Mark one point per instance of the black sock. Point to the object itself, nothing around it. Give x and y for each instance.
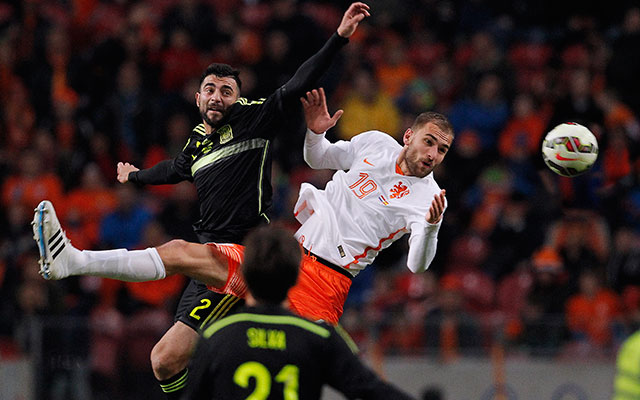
(174, 386)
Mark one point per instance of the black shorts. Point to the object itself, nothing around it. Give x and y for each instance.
(199, 306)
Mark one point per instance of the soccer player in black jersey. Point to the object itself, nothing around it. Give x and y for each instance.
(266, 352)
(228, 158)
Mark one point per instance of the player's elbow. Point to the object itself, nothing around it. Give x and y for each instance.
(416, 269)
(311, 160)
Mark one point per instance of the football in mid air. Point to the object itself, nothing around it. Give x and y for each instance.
(570, 149)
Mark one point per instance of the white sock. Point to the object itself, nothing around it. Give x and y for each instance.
(121, 264)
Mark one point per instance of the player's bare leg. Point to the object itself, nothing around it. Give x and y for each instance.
(195, 260)
(170, 357)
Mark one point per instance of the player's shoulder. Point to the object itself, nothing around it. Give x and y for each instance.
(199, 130)
(375, 138)
(284, 320)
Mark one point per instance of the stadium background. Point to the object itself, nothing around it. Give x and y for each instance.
(530, 266)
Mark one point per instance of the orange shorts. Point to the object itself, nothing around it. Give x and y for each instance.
(320, 292)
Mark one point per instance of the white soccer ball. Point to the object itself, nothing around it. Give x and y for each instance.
(570, 149)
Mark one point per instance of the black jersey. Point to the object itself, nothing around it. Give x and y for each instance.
(231, 167)
(273, 354)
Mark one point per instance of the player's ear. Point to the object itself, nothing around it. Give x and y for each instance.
(407, 135)
(198, 99)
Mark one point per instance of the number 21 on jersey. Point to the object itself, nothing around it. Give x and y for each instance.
(288, 376)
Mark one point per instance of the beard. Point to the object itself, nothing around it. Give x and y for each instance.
(210, 121)
(415, 165)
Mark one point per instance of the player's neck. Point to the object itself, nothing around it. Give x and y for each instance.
(401, 164)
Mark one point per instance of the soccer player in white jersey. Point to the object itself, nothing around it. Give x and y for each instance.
(381, 191)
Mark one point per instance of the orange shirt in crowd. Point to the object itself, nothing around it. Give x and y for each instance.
(593, 316)
(31, 191)
(82, 212)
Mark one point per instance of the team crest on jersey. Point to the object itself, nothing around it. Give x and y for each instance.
(399, 190)
(226, 134)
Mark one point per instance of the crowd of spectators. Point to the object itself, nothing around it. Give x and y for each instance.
(541, 264)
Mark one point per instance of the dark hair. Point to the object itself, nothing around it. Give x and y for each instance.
(435, 118)
(221, 71)
(271, 263)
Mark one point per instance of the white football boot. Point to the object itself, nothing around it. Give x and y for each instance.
(52, 242)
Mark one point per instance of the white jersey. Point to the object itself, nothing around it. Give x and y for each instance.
(367, 205)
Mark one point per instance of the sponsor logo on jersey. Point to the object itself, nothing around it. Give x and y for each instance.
(226, 134)
(399, 190)
(367, 162)
(383, 200)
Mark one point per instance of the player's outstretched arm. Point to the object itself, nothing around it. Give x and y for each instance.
(316, 114)
(308, 74)
(123, 171)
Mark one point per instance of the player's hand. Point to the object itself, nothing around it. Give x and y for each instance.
(437, 208)
(352, 17)
(123, 171)
(316, 114)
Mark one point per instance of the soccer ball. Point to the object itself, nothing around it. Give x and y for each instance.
(570, 149)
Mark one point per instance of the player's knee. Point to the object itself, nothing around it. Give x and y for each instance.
(173, 252)
(167, 360)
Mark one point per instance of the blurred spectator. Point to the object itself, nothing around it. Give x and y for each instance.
(519, 142)
(481, 55)
(85, 206)
(123, 227)
(449, 329)
(179, 61)
(593, 315)
(129, 118)
(484, 114)
(32, 183)
(623, 267)
(179, 212)
(18, 117)
(578, 104)
(277, 65)
(395, 71)
(303, 32)
(542, 315)
(16, 238)
(582, 239)
(194, 17)
(622, 68)
(631, 307)
(366, 107)
(514, 237)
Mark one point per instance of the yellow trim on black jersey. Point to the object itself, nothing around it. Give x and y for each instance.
(347, 339)
(262, 162)
(176, 385)
(200, 129)
(244, 102)
(267, 319)
(227, 151)
(221, 309)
